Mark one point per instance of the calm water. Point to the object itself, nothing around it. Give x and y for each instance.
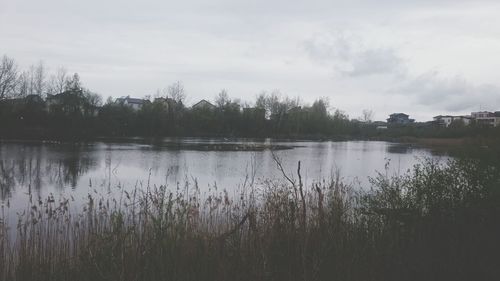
(76, 170)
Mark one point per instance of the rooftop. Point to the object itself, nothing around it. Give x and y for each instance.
(130, 100)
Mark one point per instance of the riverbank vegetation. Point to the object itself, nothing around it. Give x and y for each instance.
(436, 222)
(36, 105)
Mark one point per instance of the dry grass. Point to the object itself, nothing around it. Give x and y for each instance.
(438, 222)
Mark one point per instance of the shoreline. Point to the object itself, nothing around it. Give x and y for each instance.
(428, 141)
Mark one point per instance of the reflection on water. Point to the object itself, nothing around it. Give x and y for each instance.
(77, 169)
(399, 148)
(32, 168)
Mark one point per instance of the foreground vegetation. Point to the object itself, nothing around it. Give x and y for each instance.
(437, 222)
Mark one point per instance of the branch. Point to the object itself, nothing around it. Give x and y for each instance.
(280, 167)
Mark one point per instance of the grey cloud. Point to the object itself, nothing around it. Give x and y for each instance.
(376, 61)
(349, 56)
(133, 46)
(453, 94)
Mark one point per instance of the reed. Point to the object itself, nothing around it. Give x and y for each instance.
(436, 222)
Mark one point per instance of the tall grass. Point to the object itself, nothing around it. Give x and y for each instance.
(437, 222)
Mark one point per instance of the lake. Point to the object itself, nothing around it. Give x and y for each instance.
(75, 170)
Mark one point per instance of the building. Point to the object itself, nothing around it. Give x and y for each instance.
(134, 103)
(204, 104)
(71, 102)
(443, 120)
(379, 125)
(447, 120)
(486, 118)
(480, 114)
(29, 99)
(65, 102)
(399, 118)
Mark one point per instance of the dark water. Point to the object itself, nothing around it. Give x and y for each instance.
(77, 170)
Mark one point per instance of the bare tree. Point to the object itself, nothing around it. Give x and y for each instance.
(30, 78)
(110, 100)
(274, 104)
(23, 84)
(158, 94)
(176, 92)
(261, 100)
(222, 99)
(367, 115)
(8, 77)
(95, 100)
(73, 84)
(58, 81)
(321, 106)
(39, 83)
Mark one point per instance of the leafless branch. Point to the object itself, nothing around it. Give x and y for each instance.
(8, 77)
(277, 160)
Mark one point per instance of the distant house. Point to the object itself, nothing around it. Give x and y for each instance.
(161, 100)
(465, 119)
(29, 99)
(447, 120)
(481, 114)
(134, 103)
(71, 102)
(33, 99)
(486, 118)
(295, 109)
(52, 100)
(204, 104)
(66, 102)
(399, 118)
(379, 125)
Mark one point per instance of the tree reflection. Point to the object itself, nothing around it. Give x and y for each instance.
(31, 167)
(6, 180)
(399, 148)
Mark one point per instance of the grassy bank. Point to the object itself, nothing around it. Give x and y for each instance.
(437, 222)
(449, 142)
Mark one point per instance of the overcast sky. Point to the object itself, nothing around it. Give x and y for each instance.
(422, 57)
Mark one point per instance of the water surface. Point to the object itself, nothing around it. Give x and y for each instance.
(79, 169)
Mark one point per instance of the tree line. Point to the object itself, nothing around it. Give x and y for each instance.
(35, 103)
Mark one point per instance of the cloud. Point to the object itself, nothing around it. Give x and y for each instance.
(127, 47)
(453, 94)
(349, 56)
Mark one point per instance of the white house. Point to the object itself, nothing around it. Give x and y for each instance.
(487, 118)
(134, 103)
(447, 120)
